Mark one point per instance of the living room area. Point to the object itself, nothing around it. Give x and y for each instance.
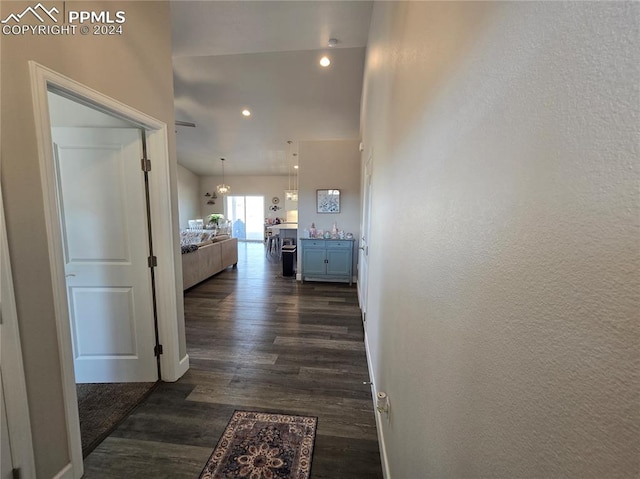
(270, 117)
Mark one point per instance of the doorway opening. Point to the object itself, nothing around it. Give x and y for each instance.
(247, 217)
(104, 298)
(102, 204)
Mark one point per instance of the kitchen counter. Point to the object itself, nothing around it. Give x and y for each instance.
(275, 229)
(285, 230)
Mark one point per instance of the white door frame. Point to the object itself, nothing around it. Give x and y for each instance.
(14, 385)
(43, 78)
(365, 230)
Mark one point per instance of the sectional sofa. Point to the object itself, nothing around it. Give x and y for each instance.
(205, 256)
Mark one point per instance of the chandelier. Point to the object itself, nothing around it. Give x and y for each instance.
(223, 188)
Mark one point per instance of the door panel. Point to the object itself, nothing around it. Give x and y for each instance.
(313, 262)
(103, 218)
(109, 315)
(338, 261)
(94, 203)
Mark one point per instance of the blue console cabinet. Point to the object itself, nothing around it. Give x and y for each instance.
(327, 260)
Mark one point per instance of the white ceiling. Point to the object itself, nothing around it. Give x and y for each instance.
(264, 56)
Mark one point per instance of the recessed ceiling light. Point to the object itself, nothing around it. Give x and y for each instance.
(325, 62)
(246, 112)
(295, 167)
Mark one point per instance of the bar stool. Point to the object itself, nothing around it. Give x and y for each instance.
(274, 246)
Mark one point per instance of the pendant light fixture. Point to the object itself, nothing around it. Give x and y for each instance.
(295, 172)
(223, 188)
(291, 194)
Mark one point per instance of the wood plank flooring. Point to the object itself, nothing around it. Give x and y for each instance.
(256, 341)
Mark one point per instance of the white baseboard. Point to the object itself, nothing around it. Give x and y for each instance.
(66, 473)
(374, 392)
(183, 366)
(171, 371)
(299, 278)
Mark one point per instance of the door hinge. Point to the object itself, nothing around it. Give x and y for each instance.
(157, 350)
(152, 261)
(16, 474)
(146, 164)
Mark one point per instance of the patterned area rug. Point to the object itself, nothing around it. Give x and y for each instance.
(258, 445)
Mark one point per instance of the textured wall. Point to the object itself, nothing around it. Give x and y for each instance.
(330, 164)
(267, 186)
(188, 196)
(134, 68)
(503, 314)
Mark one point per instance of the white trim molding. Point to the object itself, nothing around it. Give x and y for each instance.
(374, 393)
(183, 367)
(14, 385)
(44, 79)
(165, 248)
(65, 473)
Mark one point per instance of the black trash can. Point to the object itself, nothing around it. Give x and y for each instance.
(288, 259)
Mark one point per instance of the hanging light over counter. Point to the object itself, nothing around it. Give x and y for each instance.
(291, 194)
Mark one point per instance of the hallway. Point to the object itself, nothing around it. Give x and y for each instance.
(256, 341)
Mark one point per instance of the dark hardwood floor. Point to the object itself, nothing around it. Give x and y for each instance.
(256, 341)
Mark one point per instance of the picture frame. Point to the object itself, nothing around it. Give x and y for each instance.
(328, 201)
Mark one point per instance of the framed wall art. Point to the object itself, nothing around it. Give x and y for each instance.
(328, 201)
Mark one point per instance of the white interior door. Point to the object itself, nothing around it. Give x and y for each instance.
(102, 208)
(365, 228)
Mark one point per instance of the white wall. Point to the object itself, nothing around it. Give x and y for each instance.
(330, 164)
(188, 196)
(267, 186)
(503, 302)
(134, 68)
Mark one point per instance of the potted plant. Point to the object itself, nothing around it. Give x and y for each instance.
(215, 218)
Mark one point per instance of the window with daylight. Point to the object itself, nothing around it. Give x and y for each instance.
(247, 217)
